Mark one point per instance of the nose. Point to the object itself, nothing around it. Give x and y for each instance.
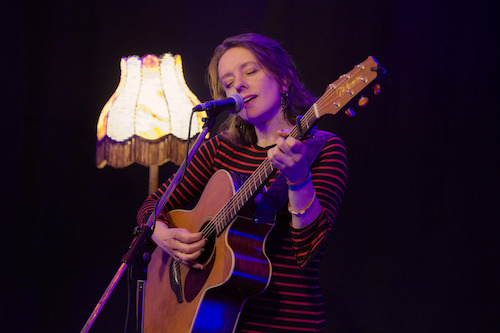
(240, 85)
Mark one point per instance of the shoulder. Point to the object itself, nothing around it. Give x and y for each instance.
(333, 149)
(221, 141)
(221, 145)
(216, 141)
(327, 140)
(332, 139)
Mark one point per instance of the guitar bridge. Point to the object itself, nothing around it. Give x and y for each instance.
(175, 280)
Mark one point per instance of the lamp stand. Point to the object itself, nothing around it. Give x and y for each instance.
(153, 178)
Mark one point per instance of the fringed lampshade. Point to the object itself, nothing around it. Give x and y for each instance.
(146, 120)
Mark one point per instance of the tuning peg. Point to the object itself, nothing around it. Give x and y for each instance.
(350, 113)
(363, 101)
(376, 89)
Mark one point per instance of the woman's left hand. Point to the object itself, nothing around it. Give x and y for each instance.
(289, 157)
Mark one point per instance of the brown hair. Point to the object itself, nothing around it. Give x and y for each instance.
(278, 63)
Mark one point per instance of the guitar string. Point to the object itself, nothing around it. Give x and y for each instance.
(227, 213)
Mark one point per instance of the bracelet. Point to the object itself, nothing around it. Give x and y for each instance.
(303, 210)
(300, 184)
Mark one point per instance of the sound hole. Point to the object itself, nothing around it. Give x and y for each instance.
(208, 230)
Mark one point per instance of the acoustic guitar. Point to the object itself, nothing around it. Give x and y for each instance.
(178, 299)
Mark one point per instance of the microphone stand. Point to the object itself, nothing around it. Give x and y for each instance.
(146, 229)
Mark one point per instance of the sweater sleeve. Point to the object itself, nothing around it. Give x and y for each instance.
(329, 176)
(196, 177)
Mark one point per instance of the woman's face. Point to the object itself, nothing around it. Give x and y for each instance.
(241, 73)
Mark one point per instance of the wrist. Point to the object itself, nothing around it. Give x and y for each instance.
(303, 210)
(298, 185)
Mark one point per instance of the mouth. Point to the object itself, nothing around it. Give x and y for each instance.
(249, 98)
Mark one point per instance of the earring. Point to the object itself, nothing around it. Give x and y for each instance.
(284, 100)
(240, 125)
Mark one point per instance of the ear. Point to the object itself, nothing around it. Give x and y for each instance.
(284, 86)
(285, 82)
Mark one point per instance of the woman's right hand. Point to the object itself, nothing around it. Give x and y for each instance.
(179, 243)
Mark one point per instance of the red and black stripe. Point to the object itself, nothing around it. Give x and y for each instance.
(293, 300)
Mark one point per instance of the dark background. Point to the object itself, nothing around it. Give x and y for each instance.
(414, 248)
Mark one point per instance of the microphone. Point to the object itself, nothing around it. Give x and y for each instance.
(233, 103)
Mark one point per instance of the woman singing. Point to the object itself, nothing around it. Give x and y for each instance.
(264, 74)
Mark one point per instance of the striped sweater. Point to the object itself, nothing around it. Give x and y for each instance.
(293, 299)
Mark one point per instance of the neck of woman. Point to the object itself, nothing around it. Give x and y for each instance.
(268, 133)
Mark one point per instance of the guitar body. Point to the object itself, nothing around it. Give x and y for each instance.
(208, 300)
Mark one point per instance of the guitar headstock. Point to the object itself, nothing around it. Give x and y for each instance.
(348, 86)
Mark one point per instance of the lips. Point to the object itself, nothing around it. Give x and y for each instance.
(249, 98)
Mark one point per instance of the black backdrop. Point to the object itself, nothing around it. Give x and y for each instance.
(413, 249)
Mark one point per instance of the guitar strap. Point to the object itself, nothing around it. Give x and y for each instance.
(277, 194)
